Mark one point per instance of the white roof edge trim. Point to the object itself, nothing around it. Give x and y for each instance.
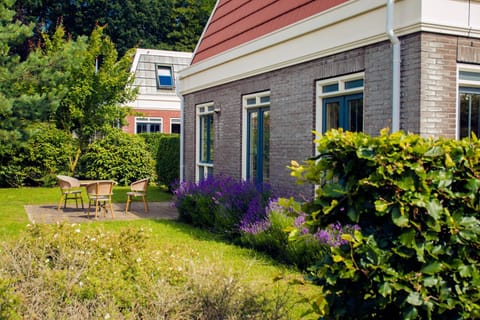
(157, 52)
(193, 79)
(307, 25)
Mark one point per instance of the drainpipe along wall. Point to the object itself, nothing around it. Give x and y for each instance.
(395, 68)
(182, 102)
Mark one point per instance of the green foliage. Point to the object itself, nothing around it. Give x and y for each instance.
(56, 80)
(98, 85)
(416, 201)
(189, 19)
(30, 90)
(153, 141)
(271, 235)
(162, 24)
(47, 152)
(168, 160)
(118, 156)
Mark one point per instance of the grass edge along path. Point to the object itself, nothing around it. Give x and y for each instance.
(191, 246)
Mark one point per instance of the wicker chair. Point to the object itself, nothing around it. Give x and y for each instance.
(100, 195)
(70, 188)
(138, 189)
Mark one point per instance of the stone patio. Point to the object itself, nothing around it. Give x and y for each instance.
(48, 213)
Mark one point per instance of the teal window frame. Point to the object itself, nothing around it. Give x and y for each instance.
(262, 150)
(345, 112)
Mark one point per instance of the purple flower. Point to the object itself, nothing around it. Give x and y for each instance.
(237, 202)
(256, 227)
(332, 234)
(300, 220)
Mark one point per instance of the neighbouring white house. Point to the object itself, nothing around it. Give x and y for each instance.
(266, 73)
(157, 106)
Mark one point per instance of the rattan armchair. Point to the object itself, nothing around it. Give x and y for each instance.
(138, 189)
(70, 188)
(100, 195)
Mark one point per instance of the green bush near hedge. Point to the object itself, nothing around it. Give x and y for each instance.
(118, 156)
(417, 203)
(47, 152)
(168, 160)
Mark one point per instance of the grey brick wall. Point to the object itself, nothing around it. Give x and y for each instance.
(438, 85)
(428, 96)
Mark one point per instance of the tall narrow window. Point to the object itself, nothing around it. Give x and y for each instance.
(469, 104)
(165, 79)
(205, 140)
(175, 125)
(257, 138)
(341, 103)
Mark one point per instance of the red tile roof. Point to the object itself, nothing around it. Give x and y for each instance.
(235, 22)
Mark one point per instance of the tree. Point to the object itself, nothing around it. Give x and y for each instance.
(189, 19)
(30, 92)
(97, 87)
(160, 24)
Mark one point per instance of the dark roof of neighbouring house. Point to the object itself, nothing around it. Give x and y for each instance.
(234, 22)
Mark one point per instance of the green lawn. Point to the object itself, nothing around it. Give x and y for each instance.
(199, 246)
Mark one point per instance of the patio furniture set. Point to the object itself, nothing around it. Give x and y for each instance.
(99, 193)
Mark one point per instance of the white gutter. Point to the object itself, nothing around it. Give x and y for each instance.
(395, 68)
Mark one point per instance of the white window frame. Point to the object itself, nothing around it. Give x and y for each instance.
(245, 106)
(175, 121)
(149, 120)
(159, 67)
(341, 80)
(202, 110)
(463, 83)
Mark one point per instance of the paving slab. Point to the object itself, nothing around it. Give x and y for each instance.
(48, 213)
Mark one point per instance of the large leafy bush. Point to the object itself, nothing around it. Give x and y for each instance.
(46, 152)
(118, 156)
(414, 250)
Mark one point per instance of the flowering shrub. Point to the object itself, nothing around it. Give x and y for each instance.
(270, 234)
(220, 203)
(417, 202)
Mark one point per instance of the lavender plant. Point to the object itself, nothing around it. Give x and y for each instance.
(333, 234)
(273, 232)
(221, 204)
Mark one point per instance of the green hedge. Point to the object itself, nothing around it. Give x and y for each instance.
(168, 160)
(416, 203)
(153, 141)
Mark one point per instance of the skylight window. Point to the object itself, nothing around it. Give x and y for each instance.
(165, 77)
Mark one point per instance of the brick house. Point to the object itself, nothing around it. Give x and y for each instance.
(157, 106)
(266, 73)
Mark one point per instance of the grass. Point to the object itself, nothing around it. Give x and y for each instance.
(194, 247)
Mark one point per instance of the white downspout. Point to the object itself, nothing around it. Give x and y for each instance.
(182, 102)
(395, 68)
